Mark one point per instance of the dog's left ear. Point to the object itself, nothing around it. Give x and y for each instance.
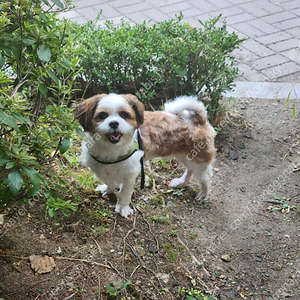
(85, 111)
(137, 106)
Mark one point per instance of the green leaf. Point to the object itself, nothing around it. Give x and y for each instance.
(15, 180)
(33, 174)
(10, 164)
(190, 298)
(43, 89)
(51, 212)
(28, 41)
(65, 144)
(44, 53)
(58, 3)
(32, 191)
(8, 120)
(53, 77)
(2, 60)
(3, 161)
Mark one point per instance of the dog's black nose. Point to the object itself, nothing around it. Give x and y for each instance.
(113, 124)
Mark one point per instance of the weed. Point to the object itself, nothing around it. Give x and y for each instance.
(112, 290)
(194, 294)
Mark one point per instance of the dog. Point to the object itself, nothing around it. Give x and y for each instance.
(117, 125)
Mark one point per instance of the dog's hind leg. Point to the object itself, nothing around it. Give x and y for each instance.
(183, 180)
(203, 173)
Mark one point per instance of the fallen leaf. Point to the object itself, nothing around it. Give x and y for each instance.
(41, 264)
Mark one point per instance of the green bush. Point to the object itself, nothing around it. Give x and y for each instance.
(159, 61)
(38, 68)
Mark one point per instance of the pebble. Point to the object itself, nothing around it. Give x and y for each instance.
(153, 250)
(233, 154)
(226, 257)
(241, 145)
(247, 135)
(171, 204)
(137, 234)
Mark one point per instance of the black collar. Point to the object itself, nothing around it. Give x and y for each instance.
(137, 146)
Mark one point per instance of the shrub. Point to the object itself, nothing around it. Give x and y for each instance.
(163, 60)
(38, 68)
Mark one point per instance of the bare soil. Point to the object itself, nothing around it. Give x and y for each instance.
(241, 244)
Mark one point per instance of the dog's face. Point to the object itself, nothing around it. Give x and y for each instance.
(113, 117)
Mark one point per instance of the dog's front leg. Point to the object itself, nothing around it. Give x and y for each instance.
(124, 197)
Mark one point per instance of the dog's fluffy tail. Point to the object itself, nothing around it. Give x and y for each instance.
(188, 108)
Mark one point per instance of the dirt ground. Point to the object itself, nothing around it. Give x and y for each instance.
(241, 244)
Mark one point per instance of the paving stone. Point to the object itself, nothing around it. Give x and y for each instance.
(221, 3)
(293, 55)
(263, 26)
(155, 15)
(269, 61)
(260, 49)
(255, 7)
(273, 38)
(176, 8)
(287, 24)
(281, 70)
(248, 29)
(285, 45)
(126, 10)
(291, 5)
(279, 17)
(121, 3)
(203, 5)
(107, 10)
(250, 74)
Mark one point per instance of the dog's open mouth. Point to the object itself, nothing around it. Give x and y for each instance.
(114, 137)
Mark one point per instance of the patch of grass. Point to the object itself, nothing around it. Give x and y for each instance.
(194, 294)
(171, 253)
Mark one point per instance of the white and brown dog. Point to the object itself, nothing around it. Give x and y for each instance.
(113, 123)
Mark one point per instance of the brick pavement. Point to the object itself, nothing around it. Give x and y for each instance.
(271, 53)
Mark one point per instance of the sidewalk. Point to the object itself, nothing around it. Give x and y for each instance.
(271, 53)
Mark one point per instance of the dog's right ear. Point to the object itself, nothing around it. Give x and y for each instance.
(85, 111)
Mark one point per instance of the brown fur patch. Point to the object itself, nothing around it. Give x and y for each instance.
(166, 135)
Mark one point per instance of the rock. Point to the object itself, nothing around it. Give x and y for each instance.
(233, 154)
(226, 257)
(153, 249)
(241, 145)
(136, 234)
(140, 250)
(247, 135)
(171, 204)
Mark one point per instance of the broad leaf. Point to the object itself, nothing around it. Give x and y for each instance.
(65, 144)
(58, 3)
(43, 89)
(34, 176)
(15, 180)
(44, 53)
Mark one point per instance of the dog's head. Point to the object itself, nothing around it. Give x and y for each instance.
(114, 117)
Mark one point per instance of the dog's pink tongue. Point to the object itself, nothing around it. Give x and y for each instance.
(115, 137)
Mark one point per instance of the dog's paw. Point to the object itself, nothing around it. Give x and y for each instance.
(177, 183)
(124, 211)
(201, 197)
(104, 189)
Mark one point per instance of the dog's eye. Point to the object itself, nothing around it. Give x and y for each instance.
(123, 114)
(103, 115)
